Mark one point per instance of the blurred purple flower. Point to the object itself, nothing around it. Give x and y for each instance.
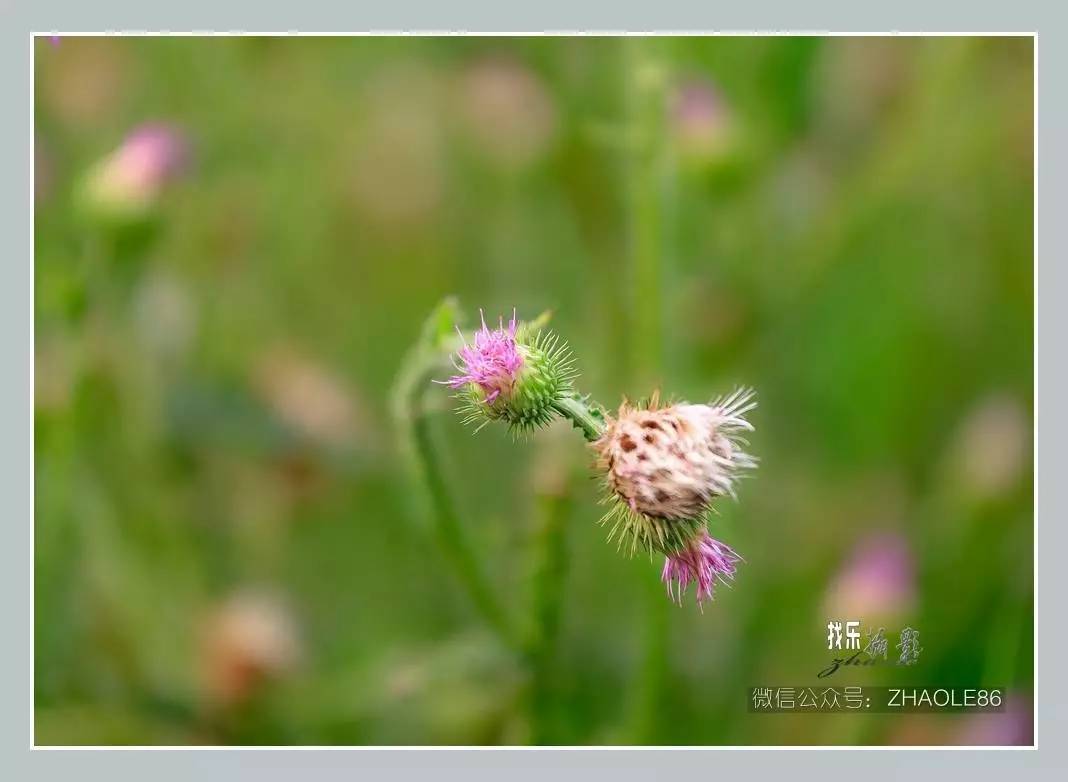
(701, 119)
(1014, 726)
(492, 363)
(704, 562)
(877, 580)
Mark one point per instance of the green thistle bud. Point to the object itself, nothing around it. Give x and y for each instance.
(515, 374)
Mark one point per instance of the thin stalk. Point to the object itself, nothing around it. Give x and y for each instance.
(549, 567)
(647, 178)
(585, 417)
(647, 172)
(450, 535)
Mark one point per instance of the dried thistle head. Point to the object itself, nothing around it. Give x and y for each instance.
(664, 466)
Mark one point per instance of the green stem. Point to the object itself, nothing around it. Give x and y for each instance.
(450, 534)
(648, 169)
(548, 572)
(586, 418)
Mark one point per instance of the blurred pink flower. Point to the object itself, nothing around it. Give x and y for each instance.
(508, 113)
(877, 581)
(1012, 727)
(128, 182)
(247, 640)
(700, 119)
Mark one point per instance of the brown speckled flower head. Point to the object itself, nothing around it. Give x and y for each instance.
(665, 465)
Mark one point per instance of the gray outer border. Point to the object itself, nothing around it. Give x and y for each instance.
(490, 15)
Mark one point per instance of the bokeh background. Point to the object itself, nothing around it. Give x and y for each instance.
(255, 522)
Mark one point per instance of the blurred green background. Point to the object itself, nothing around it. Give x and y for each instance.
(233, 538)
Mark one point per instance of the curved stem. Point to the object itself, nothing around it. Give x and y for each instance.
(451, 537)
(585, 417)
(424, 361)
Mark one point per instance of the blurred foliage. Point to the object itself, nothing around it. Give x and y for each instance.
(231, 545)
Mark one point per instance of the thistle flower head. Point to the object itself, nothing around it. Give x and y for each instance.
(664, 466)
(513, 373)
(492, 362)
(703, 562)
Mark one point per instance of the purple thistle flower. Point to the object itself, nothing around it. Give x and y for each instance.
(492, 362)
(703, 562)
